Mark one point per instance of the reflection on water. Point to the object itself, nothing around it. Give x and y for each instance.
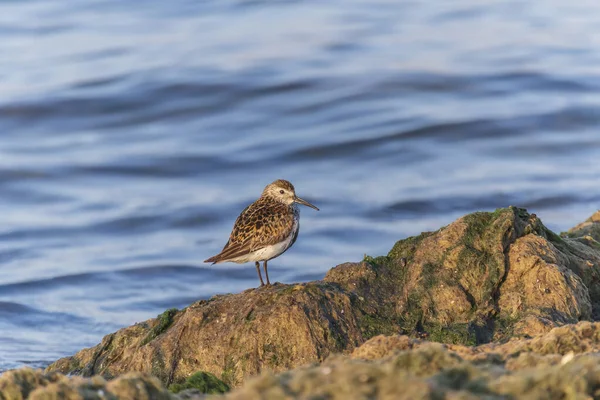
(133, 136)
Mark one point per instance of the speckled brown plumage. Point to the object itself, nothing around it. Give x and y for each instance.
(265, 229)
(264, 222)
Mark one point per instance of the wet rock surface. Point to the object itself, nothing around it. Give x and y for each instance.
(490, 280)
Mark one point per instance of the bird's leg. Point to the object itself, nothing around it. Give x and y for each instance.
(259, 275)
(266, 273)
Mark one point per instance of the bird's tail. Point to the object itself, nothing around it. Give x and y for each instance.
(214, 259)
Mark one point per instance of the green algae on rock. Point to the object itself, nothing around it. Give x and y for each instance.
(464, 284)
(487, 276)
(164, 322)
(204, 382)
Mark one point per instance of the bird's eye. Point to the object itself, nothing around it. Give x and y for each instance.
(281, 191)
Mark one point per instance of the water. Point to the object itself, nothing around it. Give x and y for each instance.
(132, 136)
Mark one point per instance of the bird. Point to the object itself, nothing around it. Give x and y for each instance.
(265, 229)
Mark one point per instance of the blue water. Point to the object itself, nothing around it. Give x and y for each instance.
(132, 135)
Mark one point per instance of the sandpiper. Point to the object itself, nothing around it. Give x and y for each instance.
(265, 229)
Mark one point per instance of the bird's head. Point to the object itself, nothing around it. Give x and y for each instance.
(283, 191)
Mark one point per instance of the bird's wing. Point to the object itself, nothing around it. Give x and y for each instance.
(260, 224)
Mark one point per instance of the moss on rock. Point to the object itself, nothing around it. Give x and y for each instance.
(163, 322)
(204, 382)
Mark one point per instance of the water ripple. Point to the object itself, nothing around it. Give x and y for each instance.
(132, 138)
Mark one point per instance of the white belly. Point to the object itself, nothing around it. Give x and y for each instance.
(268, 252)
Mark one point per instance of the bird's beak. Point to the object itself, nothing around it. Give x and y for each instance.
(304, 202)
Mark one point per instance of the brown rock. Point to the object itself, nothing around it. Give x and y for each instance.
(589, 228)
(383, 346)
(433, 371)
(487, 276)
(539, 281)
(580, 338)
(563, 363)
(32, 384)
(230, 336)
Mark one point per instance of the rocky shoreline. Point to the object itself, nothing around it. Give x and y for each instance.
(493, 305)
